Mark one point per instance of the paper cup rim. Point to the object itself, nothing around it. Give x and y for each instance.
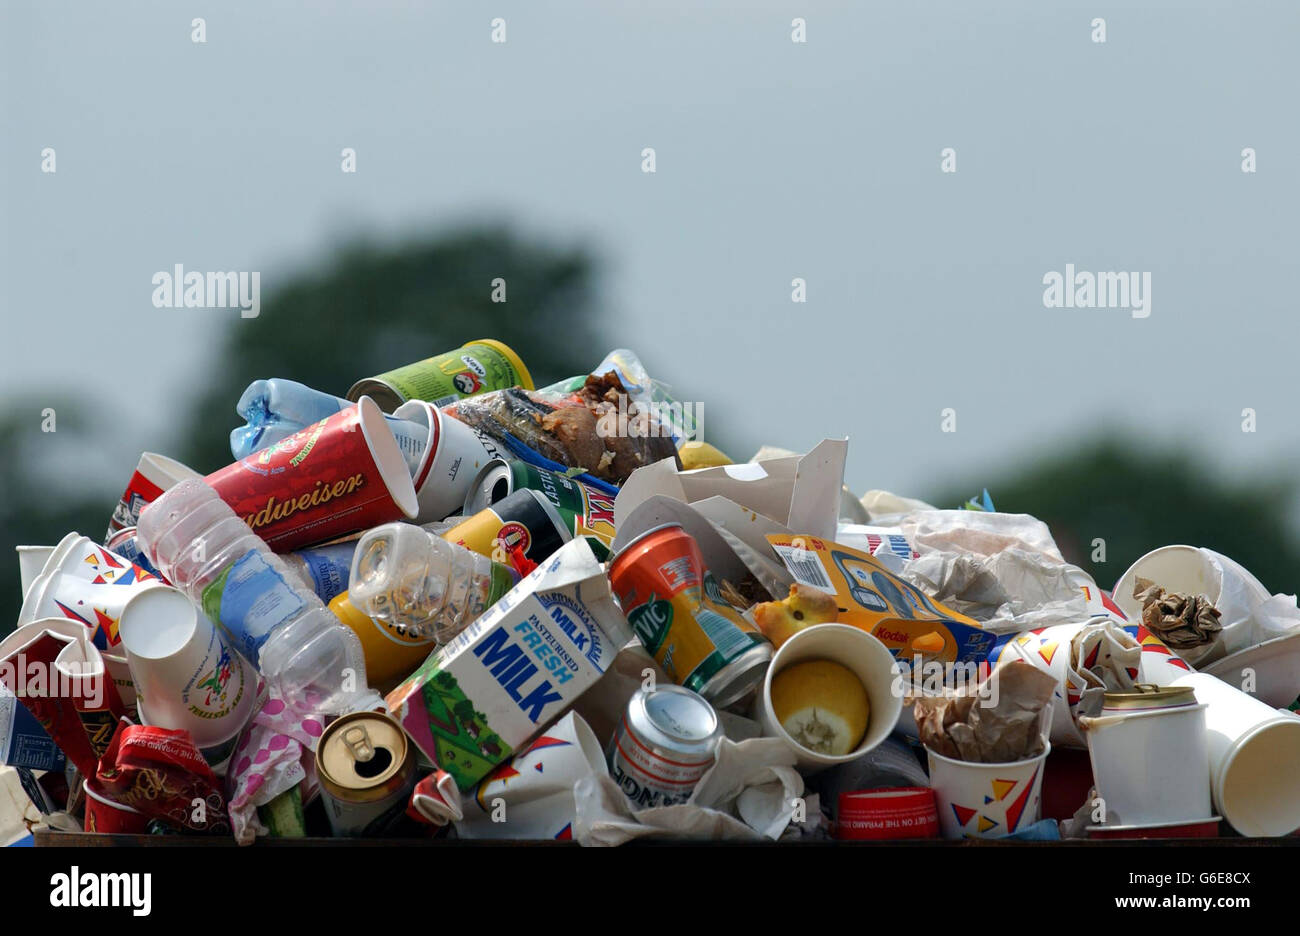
(387, 456)
(1117, 717)
(865, 746)
(166, 464)
(1141, 826)
(1237, 658)
(99, 797)
(432, 422)
(166, 590)
(1220, 775)
(1000, 765)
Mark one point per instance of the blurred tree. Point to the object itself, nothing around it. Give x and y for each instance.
(372, 309)
(41, 504)
(1136, 499)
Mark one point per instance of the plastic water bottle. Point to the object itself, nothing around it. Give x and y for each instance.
(308, 658)
(275, 409)
(323, 569)
(407, 576)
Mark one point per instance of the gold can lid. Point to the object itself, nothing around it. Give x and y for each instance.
(1146, 697)
(361, 751)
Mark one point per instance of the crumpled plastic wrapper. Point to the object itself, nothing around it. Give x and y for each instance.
(978, 533)
(750, 793)
(1010, 591)
(966, 727)
(276, 753)
(1181, 621)
(883, 507)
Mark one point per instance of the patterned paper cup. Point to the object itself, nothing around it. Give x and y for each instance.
(987, 800)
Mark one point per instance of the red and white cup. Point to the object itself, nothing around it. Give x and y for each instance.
(109, 817)
(154, 474)
(336, 476)
(452, 458)
(887, 813)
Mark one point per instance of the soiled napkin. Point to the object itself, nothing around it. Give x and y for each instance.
(1000, 724)
(1181, 621)
(752, 792)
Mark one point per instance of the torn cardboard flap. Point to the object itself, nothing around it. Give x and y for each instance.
(799, 492)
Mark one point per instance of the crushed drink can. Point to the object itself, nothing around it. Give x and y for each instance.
(665, 743)
(475, 367)
(586, 511)
(677, 610)
(366, 769)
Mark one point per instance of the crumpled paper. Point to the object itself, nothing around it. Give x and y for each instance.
(751, 792)
(1181, 621)
(1000, 724)
(277, 752)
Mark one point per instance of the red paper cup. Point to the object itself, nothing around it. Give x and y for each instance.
(1202, 828)
(109, 817)
(337, 476)
(888, 813)
(154, 474)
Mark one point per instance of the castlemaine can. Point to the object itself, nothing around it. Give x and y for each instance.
(473, 368)
(676, 608)
(586, 511)
(663, 746)
(525, 520)
(367, 771)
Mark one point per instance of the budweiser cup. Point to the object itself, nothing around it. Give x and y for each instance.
(187, 675)
(153, 475)
(337, 476)
(452, 458)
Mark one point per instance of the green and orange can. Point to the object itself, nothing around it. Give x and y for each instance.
(677, 610)
(475, 367)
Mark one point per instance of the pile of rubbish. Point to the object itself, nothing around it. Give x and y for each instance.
(452, 604)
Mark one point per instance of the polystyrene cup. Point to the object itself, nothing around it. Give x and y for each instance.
(1254, 758)
(869, 660)
(185, 672)
(979, 800)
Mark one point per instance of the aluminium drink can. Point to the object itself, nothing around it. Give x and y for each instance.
(586, 511)
(663, 746)
(367, 772)
(473, 368)
(676, 608)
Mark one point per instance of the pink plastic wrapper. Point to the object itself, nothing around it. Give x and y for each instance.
(276, 753)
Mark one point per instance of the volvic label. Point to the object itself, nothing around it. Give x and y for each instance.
(248, 600)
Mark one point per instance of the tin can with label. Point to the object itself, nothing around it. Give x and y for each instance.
(663, 746)
(677, 610)
(475, 367)
(123, 543)
(367, 771)
(524, 520)
(586, 511)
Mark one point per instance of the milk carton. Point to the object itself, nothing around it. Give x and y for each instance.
(511, 673)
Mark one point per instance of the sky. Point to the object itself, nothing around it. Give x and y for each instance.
(774, 160)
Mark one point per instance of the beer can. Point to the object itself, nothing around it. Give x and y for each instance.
(366, 769)
(475, 367)
(586, 511)
(663, 746)
(677, 609)
(525, 520)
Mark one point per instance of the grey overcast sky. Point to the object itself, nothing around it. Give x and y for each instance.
(775, 160)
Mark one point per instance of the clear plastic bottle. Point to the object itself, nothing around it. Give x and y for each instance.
(277, 408)
(309, 659)
(407, 576)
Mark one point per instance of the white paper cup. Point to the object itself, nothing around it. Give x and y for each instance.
(1273, 668)
(987, 800)
(869, 660)
(31, 560)
(187, 676)
(83, 581)
(537, 790)
(1151, 767)
(452, 459)
(1254, 753)
(153, 475)
(1190, 570)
